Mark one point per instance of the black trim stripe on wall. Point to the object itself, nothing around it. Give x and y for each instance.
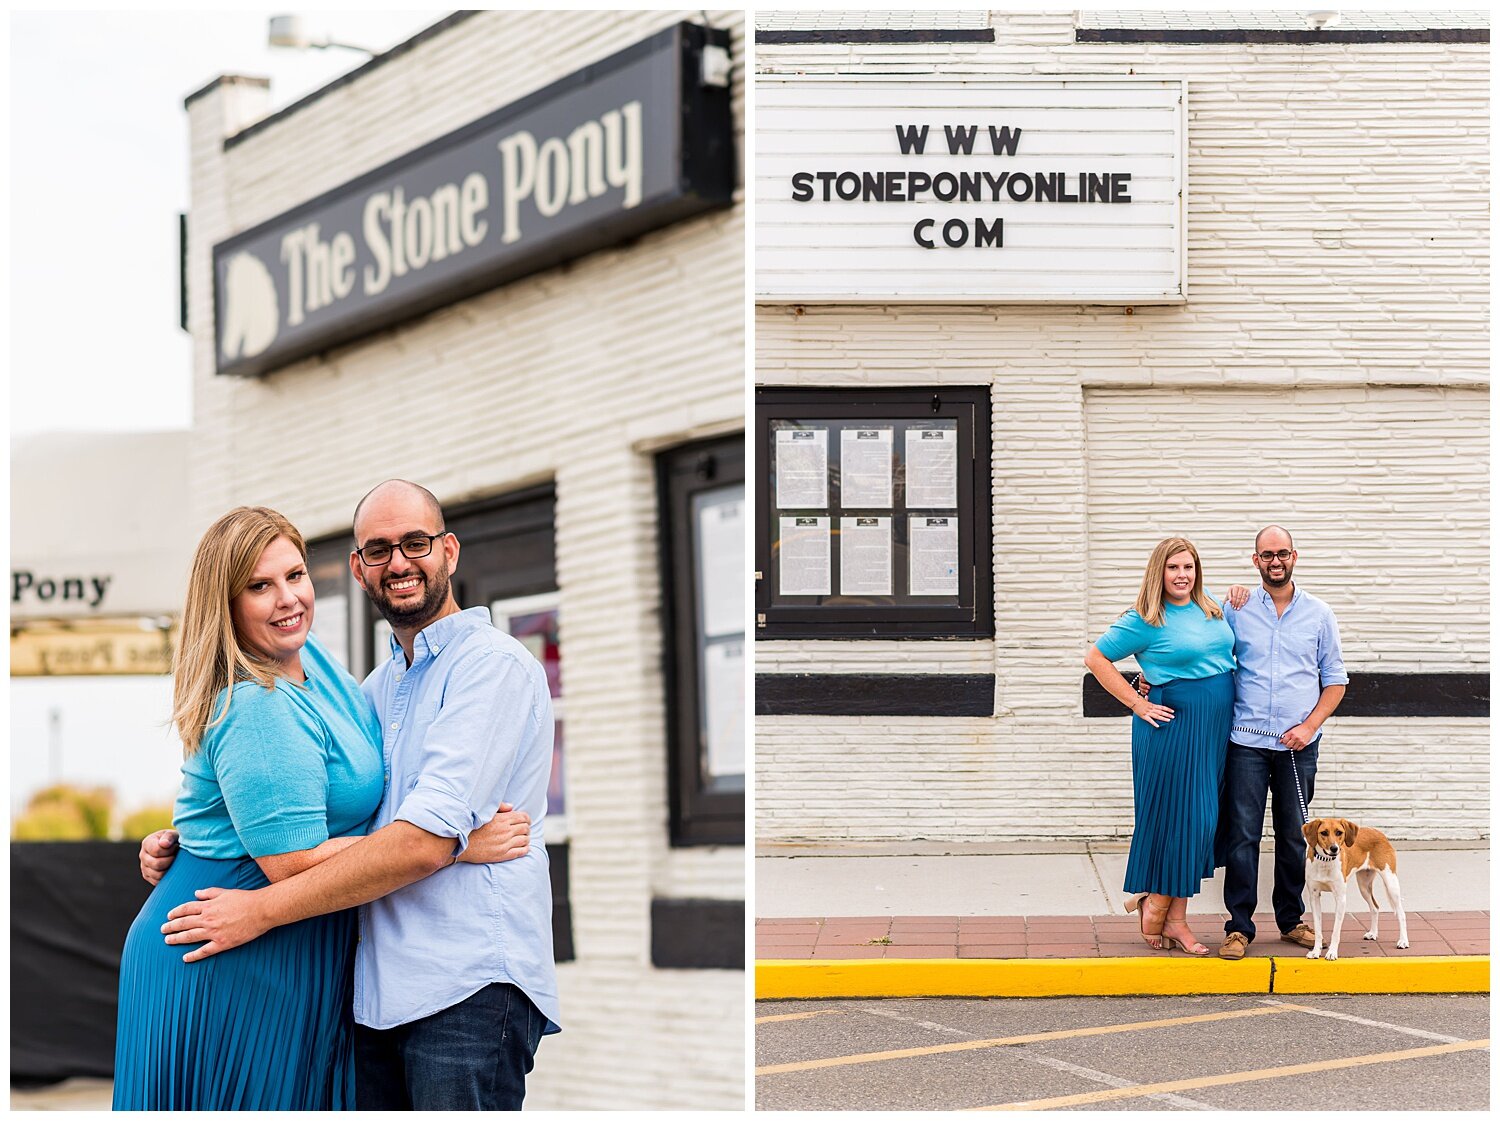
(878, 35)
(1371, 694)
(1452, 695)
(698, 933)
(562, 905)
(1210, 37)
(875, 694)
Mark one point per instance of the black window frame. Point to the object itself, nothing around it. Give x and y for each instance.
(974, 617)
(697, 816)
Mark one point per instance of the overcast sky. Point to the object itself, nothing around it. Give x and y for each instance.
(98, 175)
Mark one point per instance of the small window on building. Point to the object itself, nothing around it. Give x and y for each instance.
(532, 620)
(873, 513)
(340, 613)
(703, 600)
(508, 564)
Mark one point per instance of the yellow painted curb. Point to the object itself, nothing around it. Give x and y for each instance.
(1132, 976)
(1384, 975)
(876, 977)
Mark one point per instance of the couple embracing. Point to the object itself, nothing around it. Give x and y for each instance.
(1230, 706)
(249, 980)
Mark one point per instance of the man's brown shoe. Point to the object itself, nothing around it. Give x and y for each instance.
(1300, 935)
(1234, 946)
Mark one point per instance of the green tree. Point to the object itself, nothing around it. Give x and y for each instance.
(66, 813)
(51, 821)
(147, 820)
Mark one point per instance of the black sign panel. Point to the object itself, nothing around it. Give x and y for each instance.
(624, 146)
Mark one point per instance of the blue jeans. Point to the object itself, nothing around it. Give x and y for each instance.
(474, 1055)
(1249, 774)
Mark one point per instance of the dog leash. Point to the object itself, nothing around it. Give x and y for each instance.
(1296, 778)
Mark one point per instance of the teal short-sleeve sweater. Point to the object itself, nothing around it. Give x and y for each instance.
(1188, 644)
(286, 769)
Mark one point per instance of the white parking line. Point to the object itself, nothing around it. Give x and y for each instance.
(925, 1024)
(1110, 1080)
(1086, 1073)
(1347, 1018)
(1237, 1077)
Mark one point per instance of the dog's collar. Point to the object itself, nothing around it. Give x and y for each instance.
(1325, 859)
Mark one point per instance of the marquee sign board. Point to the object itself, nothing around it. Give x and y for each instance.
(627, 145)
(902, 189)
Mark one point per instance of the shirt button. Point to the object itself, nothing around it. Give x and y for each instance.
(395, 724)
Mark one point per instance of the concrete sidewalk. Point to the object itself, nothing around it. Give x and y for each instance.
(1048, 920)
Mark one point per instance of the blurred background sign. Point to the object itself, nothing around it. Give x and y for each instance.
(90, 647)
(100, 548)
(99, 525)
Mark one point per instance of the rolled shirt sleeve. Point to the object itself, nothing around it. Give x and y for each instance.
(1331, 669)
(470, 746)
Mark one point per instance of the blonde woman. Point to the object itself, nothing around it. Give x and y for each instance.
(1178, 737)
(282, 769)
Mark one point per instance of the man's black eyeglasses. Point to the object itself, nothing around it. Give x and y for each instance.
(417, 545)
(1267, 556)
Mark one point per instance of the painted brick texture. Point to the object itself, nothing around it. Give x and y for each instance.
(579, 375)
(1329, 370)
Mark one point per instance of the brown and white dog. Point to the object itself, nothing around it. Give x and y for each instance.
(1337, 848)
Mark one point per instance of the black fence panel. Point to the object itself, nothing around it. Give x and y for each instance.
(71, 905)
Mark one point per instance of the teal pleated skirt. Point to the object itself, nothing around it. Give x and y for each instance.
(266, 1025)
(1177, 769)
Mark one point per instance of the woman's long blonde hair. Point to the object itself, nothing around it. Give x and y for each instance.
(1148, 603)
(209, 657)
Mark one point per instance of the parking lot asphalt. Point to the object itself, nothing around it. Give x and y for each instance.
(1428, 1052)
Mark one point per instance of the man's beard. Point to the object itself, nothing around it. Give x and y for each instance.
(419, 613)
(1277, 581)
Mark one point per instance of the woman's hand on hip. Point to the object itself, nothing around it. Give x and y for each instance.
(505, 836)
(1155, 715)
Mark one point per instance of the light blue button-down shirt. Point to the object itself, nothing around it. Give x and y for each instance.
(1283, 665)
(467, 726)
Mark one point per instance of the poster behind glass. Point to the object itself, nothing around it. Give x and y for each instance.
(533, 622)
(719, 559)
(865, 512)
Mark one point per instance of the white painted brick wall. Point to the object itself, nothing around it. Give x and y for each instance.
(1330, 369)
(580, 375)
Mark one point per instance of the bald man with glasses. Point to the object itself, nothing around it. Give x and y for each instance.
(1290, 679)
